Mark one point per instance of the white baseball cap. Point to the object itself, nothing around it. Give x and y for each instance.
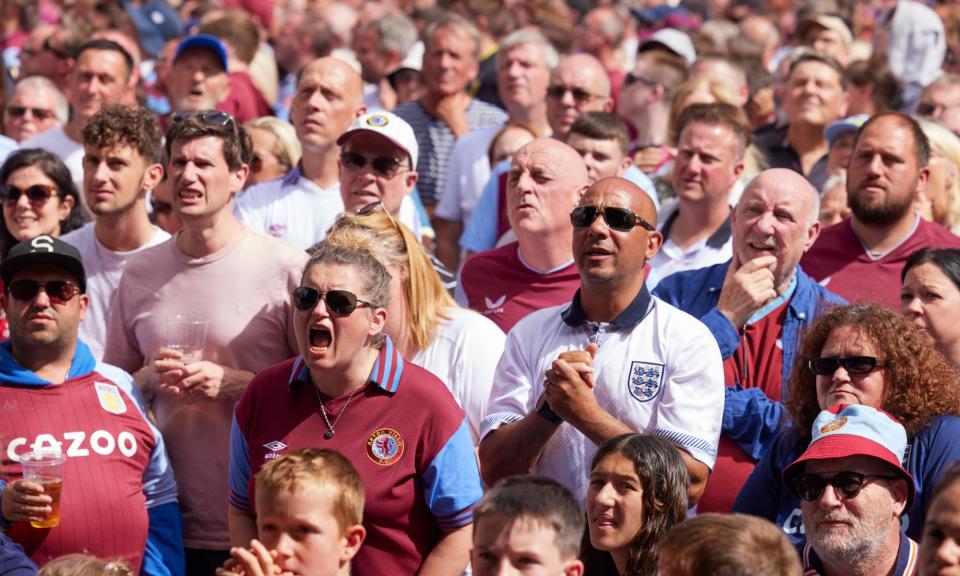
(388, 125)
(673, 40)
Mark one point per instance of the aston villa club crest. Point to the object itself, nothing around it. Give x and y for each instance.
(645, 380)
(833, 425)
(378, 120)
(385, 446)
(110, 398)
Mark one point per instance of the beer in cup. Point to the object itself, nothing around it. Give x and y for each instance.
(45, 467)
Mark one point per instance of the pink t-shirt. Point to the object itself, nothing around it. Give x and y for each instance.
(243, 291)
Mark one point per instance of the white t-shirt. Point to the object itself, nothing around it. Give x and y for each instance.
(464, 356)
(299, 212)
(714, 249)
(468, 174)
(103, 267)
(67, 149)
(662, 376)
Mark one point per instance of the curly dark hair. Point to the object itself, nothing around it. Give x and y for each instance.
(54, 169)
(134, 127)
(665, 482)
(919, 382)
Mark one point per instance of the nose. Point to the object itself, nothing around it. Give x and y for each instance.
(948, 553)
(876, 164)
(830, 498)
(100, 172)
(913, 306)
(42, 299)
(765, 223)
(284, 546)
(604, 496)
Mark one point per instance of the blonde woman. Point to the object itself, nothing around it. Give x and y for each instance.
(276, 149)
(459, 346)
(940, 200)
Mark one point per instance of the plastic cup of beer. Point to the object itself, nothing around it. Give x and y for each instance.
(45, 467)
(188, 336)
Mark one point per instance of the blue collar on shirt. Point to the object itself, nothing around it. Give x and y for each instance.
(575, 315)
(386, 370)
(717, 239)
(293, 176)
(11, 372)
(776, 302)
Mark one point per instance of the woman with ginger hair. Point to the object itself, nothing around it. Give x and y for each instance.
(459, 346)
(863, 354)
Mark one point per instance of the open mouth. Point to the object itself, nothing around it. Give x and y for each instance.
(320, 337)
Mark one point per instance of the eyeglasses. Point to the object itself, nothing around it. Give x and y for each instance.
(385, 166)
(37, 194)
(810, 487)
(38, 113)
(161, 207)
(621, 219)
(59, 291)
(852, 364)
(61, 54)
(631, 78)
(579, 94)
(339, 302)
(210, 117)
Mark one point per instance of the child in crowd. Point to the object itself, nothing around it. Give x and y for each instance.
(309, 506)
(529, 524)
(84, 565)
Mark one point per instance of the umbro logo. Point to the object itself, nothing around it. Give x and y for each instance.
(494, 305)
(275, 446)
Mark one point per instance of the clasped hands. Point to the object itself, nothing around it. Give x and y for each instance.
(569, 384)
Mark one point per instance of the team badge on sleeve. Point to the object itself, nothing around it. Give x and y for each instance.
(385, 446)
(110, 397)
(644, 380)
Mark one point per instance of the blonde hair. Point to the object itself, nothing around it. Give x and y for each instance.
(947, 143)
(289, 150)
(678, 103)
(84, 565)
(393, 244)
(294, 471)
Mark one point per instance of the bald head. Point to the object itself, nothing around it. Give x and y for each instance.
(640, 201)
(777, 216)
(545, 181)
(329, 97)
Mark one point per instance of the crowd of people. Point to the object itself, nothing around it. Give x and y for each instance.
(434, 287)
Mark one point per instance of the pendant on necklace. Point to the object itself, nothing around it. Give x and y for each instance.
(328, 434)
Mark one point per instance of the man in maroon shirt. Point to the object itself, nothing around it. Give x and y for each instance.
(505, 284)
(861, 258)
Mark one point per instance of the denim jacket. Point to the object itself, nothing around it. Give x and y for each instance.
(750, 418)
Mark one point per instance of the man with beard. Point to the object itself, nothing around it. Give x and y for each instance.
(853, 490)
(861, 258)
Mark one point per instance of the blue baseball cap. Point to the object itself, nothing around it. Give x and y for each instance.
(204, 42)
(844, 125)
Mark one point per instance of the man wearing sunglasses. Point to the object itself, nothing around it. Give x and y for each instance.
(614, 360)
(119, 497)
(853, 490)
(35, 107)
(216, 270)
(48, 52)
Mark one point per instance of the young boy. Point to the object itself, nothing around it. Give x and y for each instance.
(528, 524)
(309, 511)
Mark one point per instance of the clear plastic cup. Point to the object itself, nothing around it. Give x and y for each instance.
(45, 467)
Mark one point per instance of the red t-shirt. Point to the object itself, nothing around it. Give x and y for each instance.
(244, 102)
(504, 289)
(762, 349)
(840, 262)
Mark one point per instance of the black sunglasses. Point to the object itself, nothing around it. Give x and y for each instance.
(37, 194)
(810, 487)
(59, 291)
(385, 166)
(622, 219)
(852, 364)
(339, 302)
(579, 94)
(38, 113)
(210, 117)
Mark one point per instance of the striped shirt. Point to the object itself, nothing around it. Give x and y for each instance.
(906, 564)
(436, 141)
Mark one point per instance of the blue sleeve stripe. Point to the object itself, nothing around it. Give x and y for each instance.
(238, 476)
(688, 441)
(451, 483)
(463, 519)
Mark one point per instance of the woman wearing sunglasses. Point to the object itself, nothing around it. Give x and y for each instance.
(351, 390)
(457, 345)
(863, 354)
(637, 492)
(39, 197)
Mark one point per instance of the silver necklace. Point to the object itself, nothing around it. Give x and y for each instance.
(323, 410)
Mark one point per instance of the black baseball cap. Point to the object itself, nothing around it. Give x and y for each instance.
(43, 250)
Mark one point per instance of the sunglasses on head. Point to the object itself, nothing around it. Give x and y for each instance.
(810, 487)
(339, 302)
(37, 113)
(385, 166)
(622, 219)
(852, 364)
(579, 94)
(209, 117)
(37, 194)
(59, 291)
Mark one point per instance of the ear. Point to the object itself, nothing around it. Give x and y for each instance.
(738, 169)
(654, 241)
(84, 302)
(238, 178)
(812, 233)
(412, 178)
(899, 493)
(151, 178)
(608, 106)
(361, 109)
(624, 165)
(351, 542)
(66, 205)
(573, 568)
(378, 321)
(922, 178)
